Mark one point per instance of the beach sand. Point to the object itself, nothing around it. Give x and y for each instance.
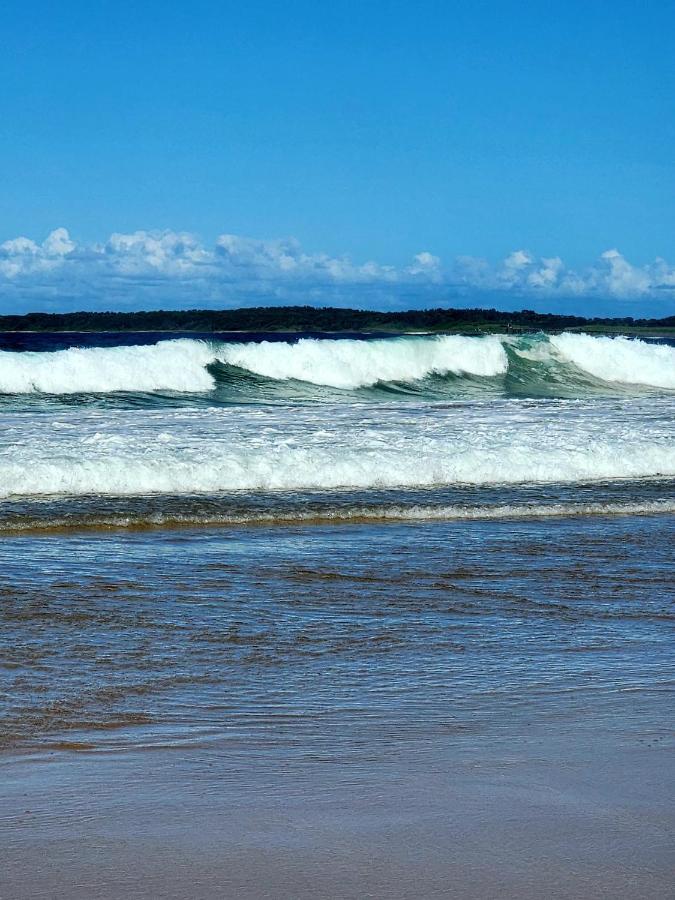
(540, 815)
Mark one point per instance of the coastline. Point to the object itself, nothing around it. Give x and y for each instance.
(337, 452)
(330, 320)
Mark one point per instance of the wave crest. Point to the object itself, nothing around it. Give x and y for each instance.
(356, 513)
(618, 359)
(176, 365)
(352, 364)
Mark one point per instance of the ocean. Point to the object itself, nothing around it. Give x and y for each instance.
(330, 540)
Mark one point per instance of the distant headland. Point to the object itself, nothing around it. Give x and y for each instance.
(330, 319)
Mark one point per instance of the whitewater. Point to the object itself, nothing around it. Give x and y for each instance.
(211, 417)
(197, 366)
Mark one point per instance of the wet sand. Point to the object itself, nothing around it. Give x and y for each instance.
(541, 815)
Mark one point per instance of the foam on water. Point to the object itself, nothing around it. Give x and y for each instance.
(296, 448)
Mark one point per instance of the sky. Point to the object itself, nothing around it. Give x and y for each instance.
(382, 154)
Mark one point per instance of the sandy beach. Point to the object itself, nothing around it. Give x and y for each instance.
(542, 815)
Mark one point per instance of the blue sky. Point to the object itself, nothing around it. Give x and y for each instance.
(360, 138)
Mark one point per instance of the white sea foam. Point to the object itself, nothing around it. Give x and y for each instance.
(118, 452)
(353, 364)
(176, 365)
(618, 359)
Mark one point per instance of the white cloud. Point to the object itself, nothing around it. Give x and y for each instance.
(171, 269)
(517, 260)
(546, 274)
(169, 254)
(611, 277)
(624, 279)
(426, 264)
(58, 243)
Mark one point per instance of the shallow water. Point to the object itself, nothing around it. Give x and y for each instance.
(335, 640)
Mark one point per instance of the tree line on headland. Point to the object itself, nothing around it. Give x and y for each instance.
(329, 319)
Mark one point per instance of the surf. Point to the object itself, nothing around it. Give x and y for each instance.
(318, 368)
(333, 447)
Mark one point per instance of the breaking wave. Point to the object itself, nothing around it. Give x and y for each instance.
(352, 364)
(363, 469)
(178, 365)
(348, 446)
(518, 364)
(621, 359)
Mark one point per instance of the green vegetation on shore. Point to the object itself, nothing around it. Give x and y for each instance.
(330, 319)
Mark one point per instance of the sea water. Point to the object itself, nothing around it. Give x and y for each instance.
(332, 545)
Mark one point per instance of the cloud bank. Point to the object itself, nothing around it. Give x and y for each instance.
(169, 269)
